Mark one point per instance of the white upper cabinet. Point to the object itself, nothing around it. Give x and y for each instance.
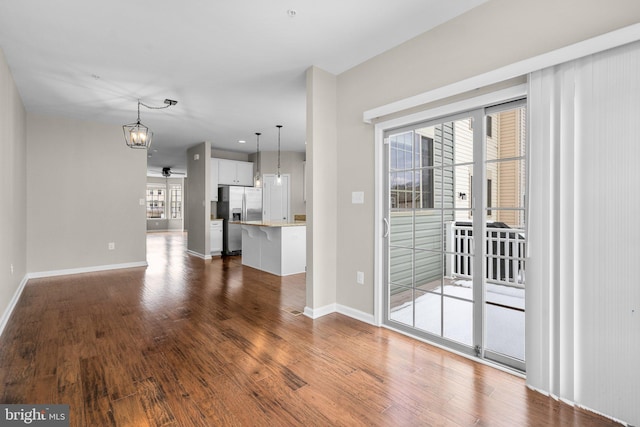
(213, 180)
(233, 172)
(245, 173)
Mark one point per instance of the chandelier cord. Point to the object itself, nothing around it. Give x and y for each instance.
(151, 107)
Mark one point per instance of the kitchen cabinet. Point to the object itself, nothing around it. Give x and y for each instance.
(233, 172)
(216, 237)
(213, 180)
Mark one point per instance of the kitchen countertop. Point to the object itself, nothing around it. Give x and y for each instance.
(271, 223)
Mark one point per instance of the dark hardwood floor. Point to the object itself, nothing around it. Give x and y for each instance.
(187, 342)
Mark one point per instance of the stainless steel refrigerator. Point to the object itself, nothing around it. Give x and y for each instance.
(237, 204)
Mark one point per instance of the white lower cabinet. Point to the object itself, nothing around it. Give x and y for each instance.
(216, 237)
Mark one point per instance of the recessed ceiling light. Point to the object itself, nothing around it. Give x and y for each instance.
(292, 12)
(242, 141)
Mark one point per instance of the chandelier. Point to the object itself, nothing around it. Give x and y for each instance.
(137, 135)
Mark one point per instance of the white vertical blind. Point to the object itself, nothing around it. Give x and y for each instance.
(583, 272)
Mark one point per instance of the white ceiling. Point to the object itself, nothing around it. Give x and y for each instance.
(235, 67)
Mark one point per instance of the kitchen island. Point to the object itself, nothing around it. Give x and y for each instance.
(275, 247)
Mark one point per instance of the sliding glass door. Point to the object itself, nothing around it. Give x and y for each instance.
(449, 181)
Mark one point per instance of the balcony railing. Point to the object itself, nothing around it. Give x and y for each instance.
(505, 253)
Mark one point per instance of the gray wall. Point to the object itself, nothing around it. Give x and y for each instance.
(322, 186)
(198, 206)
(495, 34)
(13, 191)
(230, 155)
(459, 49)
(290, 163)
(84, 188)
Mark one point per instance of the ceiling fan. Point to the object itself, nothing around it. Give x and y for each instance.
(167, 172)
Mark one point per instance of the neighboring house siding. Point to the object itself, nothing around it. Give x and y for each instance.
(428, 226)
(463, 154)
(491, 171)
(510, 189)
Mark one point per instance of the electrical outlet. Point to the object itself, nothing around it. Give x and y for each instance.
(112, 246)
(12, 269)
(360, 277)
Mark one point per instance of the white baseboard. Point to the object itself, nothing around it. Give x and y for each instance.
(356, 314)
(93, 269)
(12, 304)
(315, 313)
(199, 255)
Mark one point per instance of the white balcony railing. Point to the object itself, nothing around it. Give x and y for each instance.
(505, 254)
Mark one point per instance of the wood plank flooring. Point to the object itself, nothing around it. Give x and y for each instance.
(187, 342)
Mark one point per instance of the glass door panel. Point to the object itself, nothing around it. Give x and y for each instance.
(458, 318)
(505, 245)
(401, 305)
(456, 241)
(429, 183)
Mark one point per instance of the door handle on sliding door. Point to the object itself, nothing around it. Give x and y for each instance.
(386, 227)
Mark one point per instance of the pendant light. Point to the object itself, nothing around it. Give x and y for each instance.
(137, 135)
(256, 180)
(278, 176)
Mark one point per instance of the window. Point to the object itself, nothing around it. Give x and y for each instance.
(489, 194)
(489, 126)
(155, 200)
(425, 194)
(412, 183)
(176, 202)
(489, 197)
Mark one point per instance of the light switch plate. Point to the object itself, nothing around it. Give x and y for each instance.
(196, 157)
(357, 197)
(360, 277)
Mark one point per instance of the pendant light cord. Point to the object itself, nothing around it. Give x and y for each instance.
(279, 127)
(258, 153)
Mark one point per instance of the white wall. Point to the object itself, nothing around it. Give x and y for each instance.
(83, 191)
(13, 190)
